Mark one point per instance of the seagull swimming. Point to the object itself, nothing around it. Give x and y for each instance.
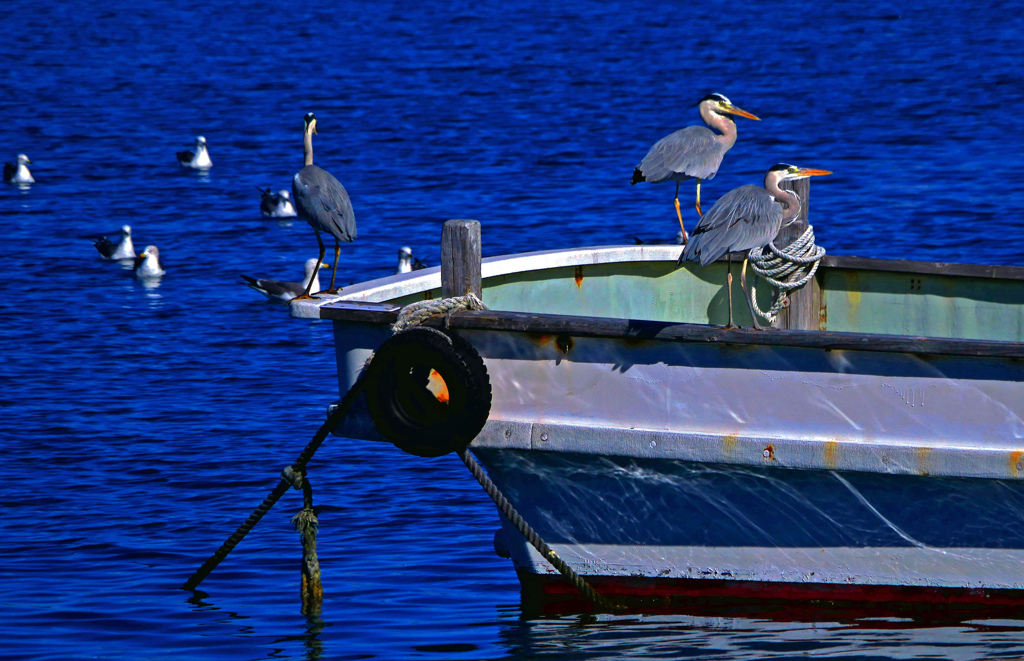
(18, 173)
(123, 249)
(407, 263)
(147, 264)
(282, 291)
(200, 160)
(276, 205)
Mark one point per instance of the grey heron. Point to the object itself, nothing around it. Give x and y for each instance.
(197, 160)
(276, 205)
(284, 291)
(746, 217)
(17, 172)
(323, 202)
(407, 263)
(122, 249)
(147, 264)
(694, 152)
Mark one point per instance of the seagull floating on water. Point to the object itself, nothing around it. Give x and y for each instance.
(122, 249)
(276, 205)
(147, 264)
(18, 173)
(408, 263)
(198, 160)
(283, 291)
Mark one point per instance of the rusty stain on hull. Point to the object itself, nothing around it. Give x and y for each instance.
(579, 276)
(832, 454)
(769, 452)
(564, 343)
(1017, 463)
(923, 460)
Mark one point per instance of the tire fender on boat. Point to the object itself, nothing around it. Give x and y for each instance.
(428, 392)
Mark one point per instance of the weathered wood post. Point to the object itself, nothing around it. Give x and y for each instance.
(804, 303)
(460, 258)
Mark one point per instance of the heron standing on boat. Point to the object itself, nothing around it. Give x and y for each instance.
(323, 202)
(744, 218)
(694, 152)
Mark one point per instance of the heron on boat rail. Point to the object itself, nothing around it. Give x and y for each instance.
(694, 152)
(744, 218)
(323, 202)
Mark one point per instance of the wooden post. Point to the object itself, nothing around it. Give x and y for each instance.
(804, 303)
(460, 258)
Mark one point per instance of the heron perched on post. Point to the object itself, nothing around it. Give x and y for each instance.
(744, 218)
(323, 202)
(694, 152)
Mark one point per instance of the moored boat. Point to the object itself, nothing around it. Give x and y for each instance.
(875, 457)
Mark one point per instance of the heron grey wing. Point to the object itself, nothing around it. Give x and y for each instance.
(323, 201)
(736, 219)
(689, 152)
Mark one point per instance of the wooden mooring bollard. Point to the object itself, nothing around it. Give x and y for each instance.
(460, 258)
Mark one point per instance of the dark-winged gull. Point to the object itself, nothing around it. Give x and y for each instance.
(408, 263)
(276, 205)
(147, 264)
(283, 291)
(18, 173)
(323, 202)
(121, 249)
(197, 160)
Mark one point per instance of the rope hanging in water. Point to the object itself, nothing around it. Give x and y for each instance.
(288, 480)
(311, 590)
(786, 269)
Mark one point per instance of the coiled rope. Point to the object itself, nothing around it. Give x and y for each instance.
(786, 269)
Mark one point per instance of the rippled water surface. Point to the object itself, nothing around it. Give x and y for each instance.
(141, 424)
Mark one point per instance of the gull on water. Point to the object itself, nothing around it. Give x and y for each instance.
(18, 173)
(198, 160)
(408, 263)
(147, 264)
(283, 291)
(121, 249)
(276, 205)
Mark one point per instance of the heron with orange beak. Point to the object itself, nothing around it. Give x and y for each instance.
(744, 218)
(694, 152)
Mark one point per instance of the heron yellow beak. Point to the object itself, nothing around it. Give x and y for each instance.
(739, 111)
(811, 172)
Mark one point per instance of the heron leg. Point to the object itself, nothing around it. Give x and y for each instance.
(319, 261)
(746, 292)
(334, 273)
(699, 212)
(679, 212)
(728, 280)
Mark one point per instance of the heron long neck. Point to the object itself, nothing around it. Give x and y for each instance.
(721, 123)
(307, 144)
(788, 199)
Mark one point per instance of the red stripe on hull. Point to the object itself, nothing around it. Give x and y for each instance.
(761, 598)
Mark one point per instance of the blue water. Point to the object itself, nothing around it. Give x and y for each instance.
(141, 424)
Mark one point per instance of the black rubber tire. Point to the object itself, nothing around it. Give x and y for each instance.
(408, 414)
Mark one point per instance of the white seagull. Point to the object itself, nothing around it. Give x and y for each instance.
(408, 263)
(123, 249)
(199, 160)
(147, 264)
(18, 173)
(282, 291)
(276, 205)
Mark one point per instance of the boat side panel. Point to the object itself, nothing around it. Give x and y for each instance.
(671, 519)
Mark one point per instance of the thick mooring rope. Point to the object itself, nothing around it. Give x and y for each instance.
(288, 480)
(786, 269)
(416, 313)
